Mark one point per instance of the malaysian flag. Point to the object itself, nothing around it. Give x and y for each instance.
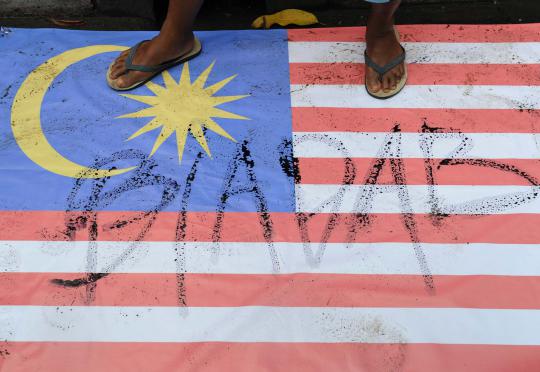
(256, 210)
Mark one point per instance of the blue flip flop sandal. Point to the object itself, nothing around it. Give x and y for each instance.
(155, 69)
(381, 70)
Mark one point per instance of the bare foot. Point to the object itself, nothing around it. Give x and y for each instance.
(152, 52)
(382, 47)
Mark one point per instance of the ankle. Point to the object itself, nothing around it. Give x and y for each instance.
(381, 19)
(379, 26)
(174, 41)
(379, 33)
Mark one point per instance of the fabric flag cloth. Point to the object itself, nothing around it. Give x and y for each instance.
(255, 210)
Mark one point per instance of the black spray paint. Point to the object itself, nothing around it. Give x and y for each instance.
(81, 212)
(244, 159)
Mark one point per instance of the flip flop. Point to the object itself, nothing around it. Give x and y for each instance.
(155, 69)
(381, 70)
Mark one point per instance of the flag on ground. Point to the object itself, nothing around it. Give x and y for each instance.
(254, 209)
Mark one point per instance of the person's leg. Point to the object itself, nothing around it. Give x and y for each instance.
(174, 39)
(382, 45)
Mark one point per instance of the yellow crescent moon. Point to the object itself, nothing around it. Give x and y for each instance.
(26, 115)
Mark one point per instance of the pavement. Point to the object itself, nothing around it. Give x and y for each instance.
(238, 14)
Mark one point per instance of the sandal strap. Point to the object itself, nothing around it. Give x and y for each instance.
(381, 70)
(152, 68)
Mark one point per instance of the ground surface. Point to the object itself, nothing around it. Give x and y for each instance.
(239, 15)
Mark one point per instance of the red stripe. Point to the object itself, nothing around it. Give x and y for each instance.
(420, 74)
(324, 119)
(245, 227)
(291, 290)
(429, 33)
(332, 171)
(249, 357)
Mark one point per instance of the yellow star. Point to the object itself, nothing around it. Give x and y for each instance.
(184, 108)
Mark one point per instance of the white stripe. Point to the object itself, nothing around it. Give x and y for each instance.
(416, 199)
(443, 145)
(498, 53)
(270, 324)
(420, 96)
(253, 258)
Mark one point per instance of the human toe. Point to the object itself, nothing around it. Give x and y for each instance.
(387, 83)
(373, 85)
